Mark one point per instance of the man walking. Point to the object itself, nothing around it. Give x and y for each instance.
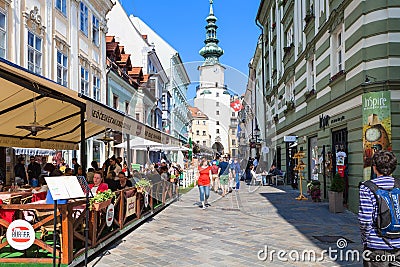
(380, 248)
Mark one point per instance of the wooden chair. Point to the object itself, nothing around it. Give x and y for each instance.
(26, 200)
(13, 200)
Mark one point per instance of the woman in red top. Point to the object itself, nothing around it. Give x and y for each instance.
(98, 185)
(204, 182)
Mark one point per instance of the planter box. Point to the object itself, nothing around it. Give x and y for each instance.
(335, 201)
(101, 205)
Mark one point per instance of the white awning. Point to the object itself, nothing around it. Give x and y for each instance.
(139, 143)
(169, 148)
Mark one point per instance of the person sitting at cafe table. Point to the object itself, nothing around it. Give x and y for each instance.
(123, 181)
(273, 171)
(112, 181)
(98, 185)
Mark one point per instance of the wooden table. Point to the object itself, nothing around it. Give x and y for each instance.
(7, 195)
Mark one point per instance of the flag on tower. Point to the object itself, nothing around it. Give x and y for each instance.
(236, 105)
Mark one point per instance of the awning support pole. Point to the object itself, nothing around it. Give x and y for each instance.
(83, 145)
(128, 152)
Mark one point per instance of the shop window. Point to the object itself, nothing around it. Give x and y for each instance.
(314, 162)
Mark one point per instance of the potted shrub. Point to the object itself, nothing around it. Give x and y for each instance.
(142, 185)
(314, 190)
(335, 194)
(101, 200)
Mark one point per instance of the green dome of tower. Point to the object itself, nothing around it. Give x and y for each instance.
(211, 51)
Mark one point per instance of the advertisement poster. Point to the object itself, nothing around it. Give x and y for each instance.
(130, 206)
(377, 127)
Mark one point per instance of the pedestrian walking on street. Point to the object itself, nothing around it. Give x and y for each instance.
(215, 176)
(224, 176)
(381, 245)
(237, 173)
(203, 182)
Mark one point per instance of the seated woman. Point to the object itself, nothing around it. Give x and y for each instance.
(98, 185)
(123, 181)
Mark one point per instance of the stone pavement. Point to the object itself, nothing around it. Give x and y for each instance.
(237, 229)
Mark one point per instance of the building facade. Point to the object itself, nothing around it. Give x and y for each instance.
(199, 128)
(324, 62)
(175, 91)
(64, 41)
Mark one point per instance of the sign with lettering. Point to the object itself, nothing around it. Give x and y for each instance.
(290, 138)
(377, 129)
(130, 206)
(20, 235)
(111, 119)
(110, 215)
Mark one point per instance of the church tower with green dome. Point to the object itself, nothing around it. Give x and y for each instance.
(212, 98)
(211, 51)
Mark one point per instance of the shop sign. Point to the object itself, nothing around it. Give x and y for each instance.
(324, 121)
(20, 235)
(110, 215)
(377, 130)
(290, 138)
(130, 206)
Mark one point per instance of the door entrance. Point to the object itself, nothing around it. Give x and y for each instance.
(339, 144)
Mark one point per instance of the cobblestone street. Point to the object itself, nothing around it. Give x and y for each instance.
(236, 230)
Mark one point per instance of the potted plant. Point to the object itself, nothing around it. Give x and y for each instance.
(101, 200)
(314, 190)
(142, 185)
(335, 194)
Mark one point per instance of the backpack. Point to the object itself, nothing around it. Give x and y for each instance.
(388, 202)
(214, 169)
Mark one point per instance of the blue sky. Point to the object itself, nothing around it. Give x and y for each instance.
(181, 23)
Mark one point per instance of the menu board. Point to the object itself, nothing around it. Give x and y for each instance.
(64, 187)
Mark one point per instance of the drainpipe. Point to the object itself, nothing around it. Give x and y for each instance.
(262, 70)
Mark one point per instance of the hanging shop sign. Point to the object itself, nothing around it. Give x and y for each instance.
(290, 138)
(377, 130)
(110, 215)
(20, 235)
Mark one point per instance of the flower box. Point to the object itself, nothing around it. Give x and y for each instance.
(101, 205)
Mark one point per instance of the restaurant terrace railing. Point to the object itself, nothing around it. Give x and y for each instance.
(129, 206)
